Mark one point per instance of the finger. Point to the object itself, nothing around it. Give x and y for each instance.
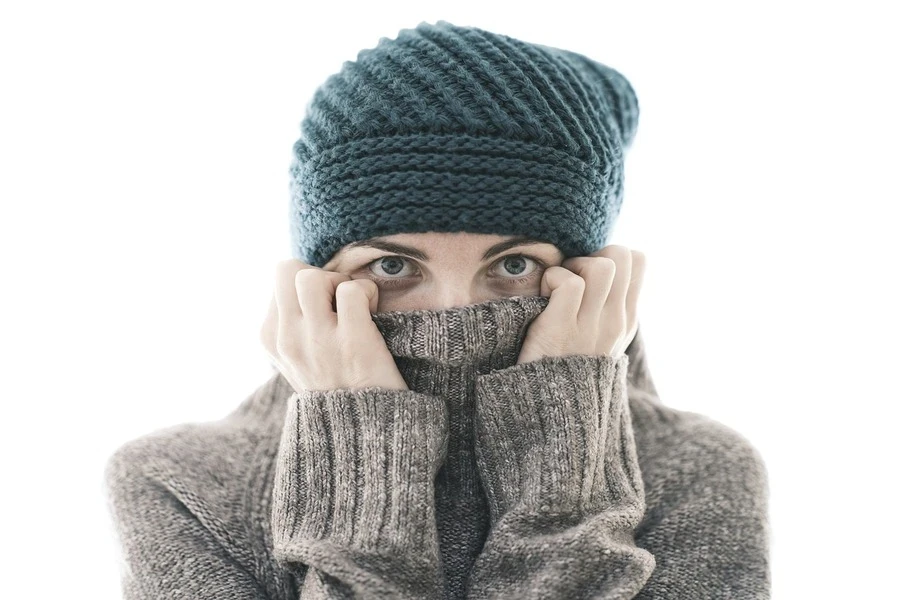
(615, 301)
(287, 343)
(638, 267)
(356, 301)
(285, 291)
(598, 273)
(269, 327)
(565, 289)
(373, 296)
(315, 289)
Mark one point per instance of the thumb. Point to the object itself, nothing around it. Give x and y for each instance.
(565, 289)
(371, 290)
(355, 305)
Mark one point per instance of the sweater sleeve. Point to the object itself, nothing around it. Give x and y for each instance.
(171, 546)
(353, 502)
(556, 453)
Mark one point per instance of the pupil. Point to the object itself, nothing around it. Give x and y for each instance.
(396, 263)
(514, 271)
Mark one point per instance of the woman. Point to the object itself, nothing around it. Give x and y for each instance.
(462, 406)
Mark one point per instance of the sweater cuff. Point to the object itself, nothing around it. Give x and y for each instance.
(356, 469)
(554, 435)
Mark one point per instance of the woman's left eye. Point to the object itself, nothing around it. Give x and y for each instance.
(516, 265)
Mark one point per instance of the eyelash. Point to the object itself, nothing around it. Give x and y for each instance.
(396, 281)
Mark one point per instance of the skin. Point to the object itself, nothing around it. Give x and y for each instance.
(320, 334)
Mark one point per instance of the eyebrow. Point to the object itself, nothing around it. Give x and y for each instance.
(416, 253)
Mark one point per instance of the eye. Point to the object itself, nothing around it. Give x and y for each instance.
(516, 265)
(390, 267)
(514, 269)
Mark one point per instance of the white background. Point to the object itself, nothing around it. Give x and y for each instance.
(145, 149)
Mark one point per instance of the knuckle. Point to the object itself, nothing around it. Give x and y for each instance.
(605, 262)
(338, 282)
(615, 253)
(606, 269)
(348, 287)
(367, 286)
(602, 265)
(304, 274)
(287, 344)
(638, 260)
(575, 281)
(336, 275)
(287, 266)
(616, 320)
(286, 347)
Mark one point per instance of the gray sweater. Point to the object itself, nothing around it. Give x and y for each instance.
(565, 478)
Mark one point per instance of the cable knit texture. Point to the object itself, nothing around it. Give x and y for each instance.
(564, 477)
(450, 128)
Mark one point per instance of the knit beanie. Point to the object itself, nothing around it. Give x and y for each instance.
(447, 128)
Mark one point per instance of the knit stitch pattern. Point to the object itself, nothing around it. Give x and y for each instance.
(563, 477)
(450, 128)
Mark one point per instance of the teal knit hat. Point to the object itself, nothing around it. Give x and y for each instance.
(449, 128)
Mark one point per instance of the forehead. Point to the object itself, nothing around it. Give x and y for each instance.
(443, 237)
(419, 244)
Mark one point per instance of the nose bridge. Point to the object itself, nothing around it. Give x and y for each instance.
(453, 290)
(452, 293)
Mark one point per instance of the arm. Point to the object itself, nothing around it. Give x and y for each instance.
(707, 524)
(353, 504)
(169, 550)
(556, 453)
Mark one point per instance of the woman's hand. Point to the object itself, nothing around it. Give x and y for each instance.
(320, 333)
(592, 308)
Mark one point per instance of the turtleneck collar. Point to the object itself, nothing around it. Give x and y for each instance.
(482, 337)
(485, 336)
(474, 334)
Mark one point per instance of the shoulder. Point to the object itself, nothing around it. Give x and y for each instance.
(205, 456)
(705, 484)
(692, 448)
(218, 470)
(205, 451)
(205, 485)
(706, 490)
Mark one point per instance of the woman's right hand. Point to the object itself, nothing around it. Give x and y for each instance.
(320, 333)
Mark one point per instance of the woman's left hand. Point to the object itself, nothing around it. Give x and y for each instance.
(592, 308)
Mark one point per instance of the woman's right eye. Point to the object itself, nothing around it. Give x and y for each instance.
(390, 267)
